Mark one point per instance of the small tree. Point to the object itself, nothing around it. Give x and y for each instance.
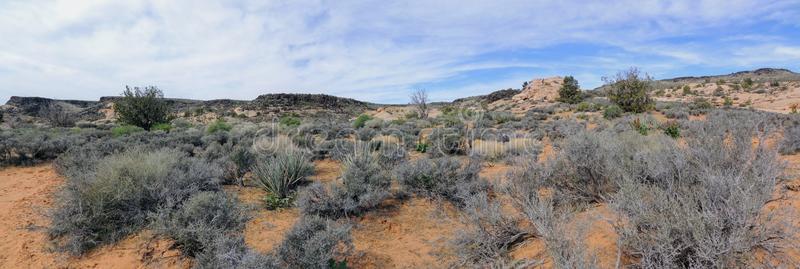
(142, 107)
(419, 98)
(570, 91)
(629, 90)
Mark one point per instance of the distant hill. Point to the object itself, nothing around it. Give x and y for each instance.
(31, 108)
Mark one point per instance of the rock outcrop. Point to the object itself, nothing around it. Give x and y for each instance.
(540, 90)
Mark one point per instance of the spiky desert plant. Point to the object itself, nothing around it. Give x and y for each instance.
(280, 174)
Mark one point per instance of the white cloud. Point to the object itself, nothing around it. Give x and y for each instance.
(371, 50)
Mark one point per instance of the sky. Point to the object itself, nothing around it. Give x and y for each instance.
(377, 51)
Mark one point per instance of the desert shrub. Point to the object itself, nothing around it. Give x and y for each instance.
(641, 126)
(629, 89)
(589, 164)
(165, 127)
(272, 146)
(124, 130)
(240, 161)
(290, 121)
(306, 141)
(231, 251)
(548, 216)
(58, 116)
(201, 218)
(143, 107)
(365, 134)
(280, 174)
(445, 141)
(119, 193)
(678, 201)
(374, 123)
(501, 117)
(361, 120)
(706, 214)
(495, 150)
(676, 113)
(587, 107)
(701, 103)
(719, 91)
(489, 232)
(612, 111)
(220, 125)
(391, 154)
(790, 143)
(672, 129)
(727, 101)
(687, 90)
(444, 178)
(747, 83)
(26, 146)
(335, 149)
(365, 184)
(314, 242)
(560, 129)
(570, 91)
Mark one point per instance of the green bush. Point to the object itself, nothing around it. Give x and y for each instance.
(273, 201)
(727, 102)
(747, 83)
(361, 120)
(701, 103)
(125, 130)
(672, 129)
(570, 91)
(583, 106)
(687, 90)
(629, 91)
(220, 125)
(166, 127)
(279, 175)
(641, 127)
(421, 147)
(290, 121)
(142, 107)
(612, 111)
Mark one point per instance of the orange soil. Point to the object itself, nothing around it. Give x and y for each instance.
(326, 170)
(599, 237)
(267, 228)
(494, 172)
(413, 234)
(26, 193)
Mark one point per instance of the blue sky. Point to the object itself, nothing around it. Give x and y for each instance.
(376, 50)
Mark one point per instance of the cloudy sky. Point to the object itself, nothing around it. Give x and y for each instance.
(376, 50)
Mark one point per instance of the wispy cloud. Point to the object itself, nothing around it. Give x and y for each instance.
(371, 50)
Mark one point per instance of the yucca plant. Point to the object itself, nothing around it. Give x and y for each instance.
(280, 174)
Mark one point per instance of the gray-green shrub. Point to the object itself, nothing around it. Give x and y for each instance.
(313, 243)
(117, 195)
(444, 177)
